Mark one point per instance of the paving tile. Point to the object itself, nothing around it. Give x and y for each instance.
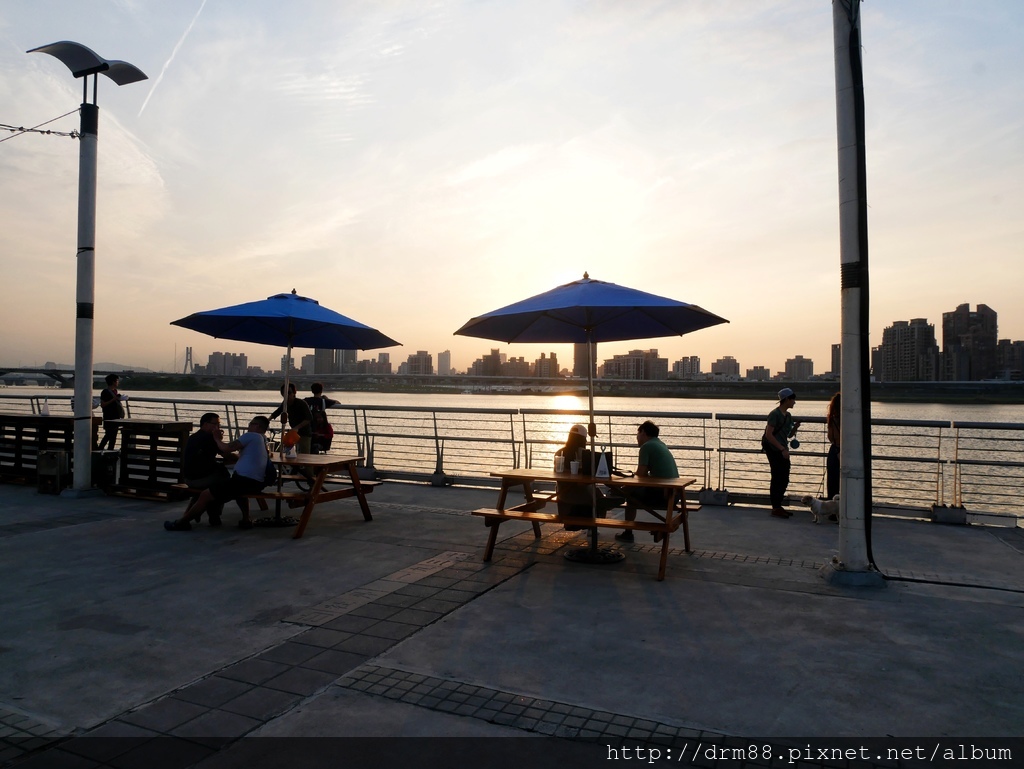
(110, 740)
(55, 758)
(163, 753)
(350, 623)
(302, 681)
(164, 715)
(262, 703)
(416, 617)
(334, 661)
(396, 631)
(374, 610)
(253, 671)
(213, 691)
(290, 653)
(217, 728)
(437, 605)
(322, 637)
(396, 599)
(368, 646)
(421, 591)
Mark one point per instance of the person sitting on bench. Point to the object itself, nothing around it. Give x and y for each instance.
(202, 466)
(574, 499)
(654, 461)
(248, 478)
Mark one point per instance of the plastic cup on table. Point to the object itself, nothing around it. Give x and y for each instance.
(574, 467)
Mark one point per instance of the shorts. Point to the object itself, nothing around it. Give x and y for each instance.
(234, 487)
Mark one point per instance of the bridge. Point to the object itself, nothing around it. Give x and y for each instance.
(64, 377)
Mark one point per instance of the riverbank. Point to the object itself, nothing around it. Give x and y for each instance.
(886, 392)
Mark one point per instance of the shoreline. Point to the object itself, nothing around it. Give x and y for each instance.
(992, 392)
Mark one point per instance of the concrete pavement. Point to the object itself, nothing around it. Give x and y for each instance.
(117, 635)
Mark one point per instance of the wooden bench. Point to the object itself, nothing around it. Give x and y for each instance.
(532, 511)
(293, 498)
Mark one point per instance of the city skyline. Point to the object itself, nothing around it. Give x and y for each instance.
(415, 166)
(971, 348)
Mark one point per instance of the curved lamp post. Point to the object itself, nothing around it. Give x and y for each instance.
(84, 62)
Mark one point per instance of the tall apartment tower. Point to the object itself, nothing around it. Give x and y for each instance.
(908, 352)
(726, 366)
(324, 362)
(579, 359)
(837, 359)
(969, 341)
(444, 363)
(799, 369)
(421, 363)
(687, 367)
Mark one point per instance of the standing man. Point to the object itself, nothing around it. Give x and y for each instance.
(653, 461)
(323, 433)
(202, 466)
(299, 419)
(110, 403)
(249, 476)
(775, 444)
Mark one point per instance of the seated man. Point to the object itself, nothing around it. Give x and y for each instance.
(201, 466)
(248, 478)
(654, 461)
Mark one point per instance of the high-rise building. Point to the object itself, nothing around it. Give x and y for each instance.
(969, 342)
(686, 367)
(516, 367)
(227, 364)
(799, 369)
(421, 364)
(580, 358)
(325, 362)
(287, 363)
(726, 367)
(637, 364)
(758, 374)
(547, 367)
(908, 352)
(1010, 359)
(444, 363)
(837, 359)
(308, 364)
(488, 365)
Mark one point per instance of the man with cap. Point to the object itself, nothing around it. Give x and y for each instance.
(775, 444)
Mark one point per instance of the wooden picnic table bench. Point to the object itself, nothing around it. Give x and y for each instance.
(665, 521)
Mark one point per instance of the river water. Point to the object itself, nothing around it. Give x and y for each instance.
(1013, 413)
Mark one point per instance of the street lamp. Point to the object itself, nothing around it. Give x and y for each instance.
(83, 62)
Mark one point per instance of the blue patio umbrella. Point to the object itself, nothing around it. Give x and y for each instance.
(286, 320)
(587, 312)
(590, 311)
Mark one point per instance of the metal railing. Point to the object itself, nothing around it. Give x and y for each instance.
(915, 464)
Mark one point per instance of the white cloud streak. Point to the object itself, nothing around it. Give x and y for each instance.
(174, 53)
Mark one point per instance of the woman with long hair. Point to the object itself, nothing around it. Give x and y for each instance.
(832, 431)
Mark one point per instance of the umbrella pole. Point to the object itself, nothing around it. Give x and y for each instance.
(592, 431)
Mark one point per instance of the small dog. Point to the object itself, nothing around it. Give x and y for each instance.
(822, 508)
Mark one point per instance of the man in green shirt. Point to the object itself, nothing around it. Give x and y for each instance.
(654, 461)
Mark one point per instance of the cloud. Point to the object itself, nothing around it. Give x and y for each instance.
(174, 53)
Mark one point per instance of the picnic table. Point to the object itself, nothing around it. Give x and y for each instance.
(325, 484)
(663, 522)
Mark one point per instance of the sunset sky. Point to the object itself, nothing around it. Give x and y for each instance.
(414, 164)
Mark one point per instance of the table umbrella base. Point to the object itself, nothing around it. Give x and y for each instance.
(598, 555)
(275, 523)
